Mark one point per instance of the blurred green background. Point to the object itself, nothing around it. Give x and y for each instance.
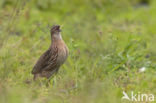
(109, 41)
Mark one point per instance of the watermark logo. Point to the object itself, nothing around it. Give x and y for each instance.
(138, 97)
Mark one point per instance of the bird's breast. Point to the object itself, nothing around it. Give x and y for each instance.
(62, 53)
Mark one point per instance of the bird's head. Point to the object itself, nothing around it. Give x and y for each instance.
(55, 33)
(55, 30)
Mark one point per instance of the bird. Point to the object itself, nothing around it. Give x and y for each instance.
(51, 60)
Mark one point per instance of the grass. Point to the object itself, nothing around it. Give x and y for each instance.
(109, 41)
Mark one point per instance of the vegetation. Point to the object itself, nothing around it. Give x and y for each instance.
(109, 41)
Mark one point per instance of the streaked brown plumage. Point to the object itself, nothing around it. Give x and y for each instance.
(50, 61)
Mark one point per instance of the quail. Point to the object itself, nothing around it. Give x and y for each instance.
(51, 60)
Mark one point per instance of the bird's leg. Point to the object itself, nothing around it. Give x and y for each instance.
(48, 80)
(52, 80)
(56, 71)
(51, 75)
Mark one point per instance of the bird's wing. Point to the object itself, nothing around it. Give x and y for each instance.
(52, 63)
(42, 62)
(46, 61)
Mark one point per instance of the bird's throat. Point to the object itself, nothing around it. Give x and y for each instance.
(56, 37)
